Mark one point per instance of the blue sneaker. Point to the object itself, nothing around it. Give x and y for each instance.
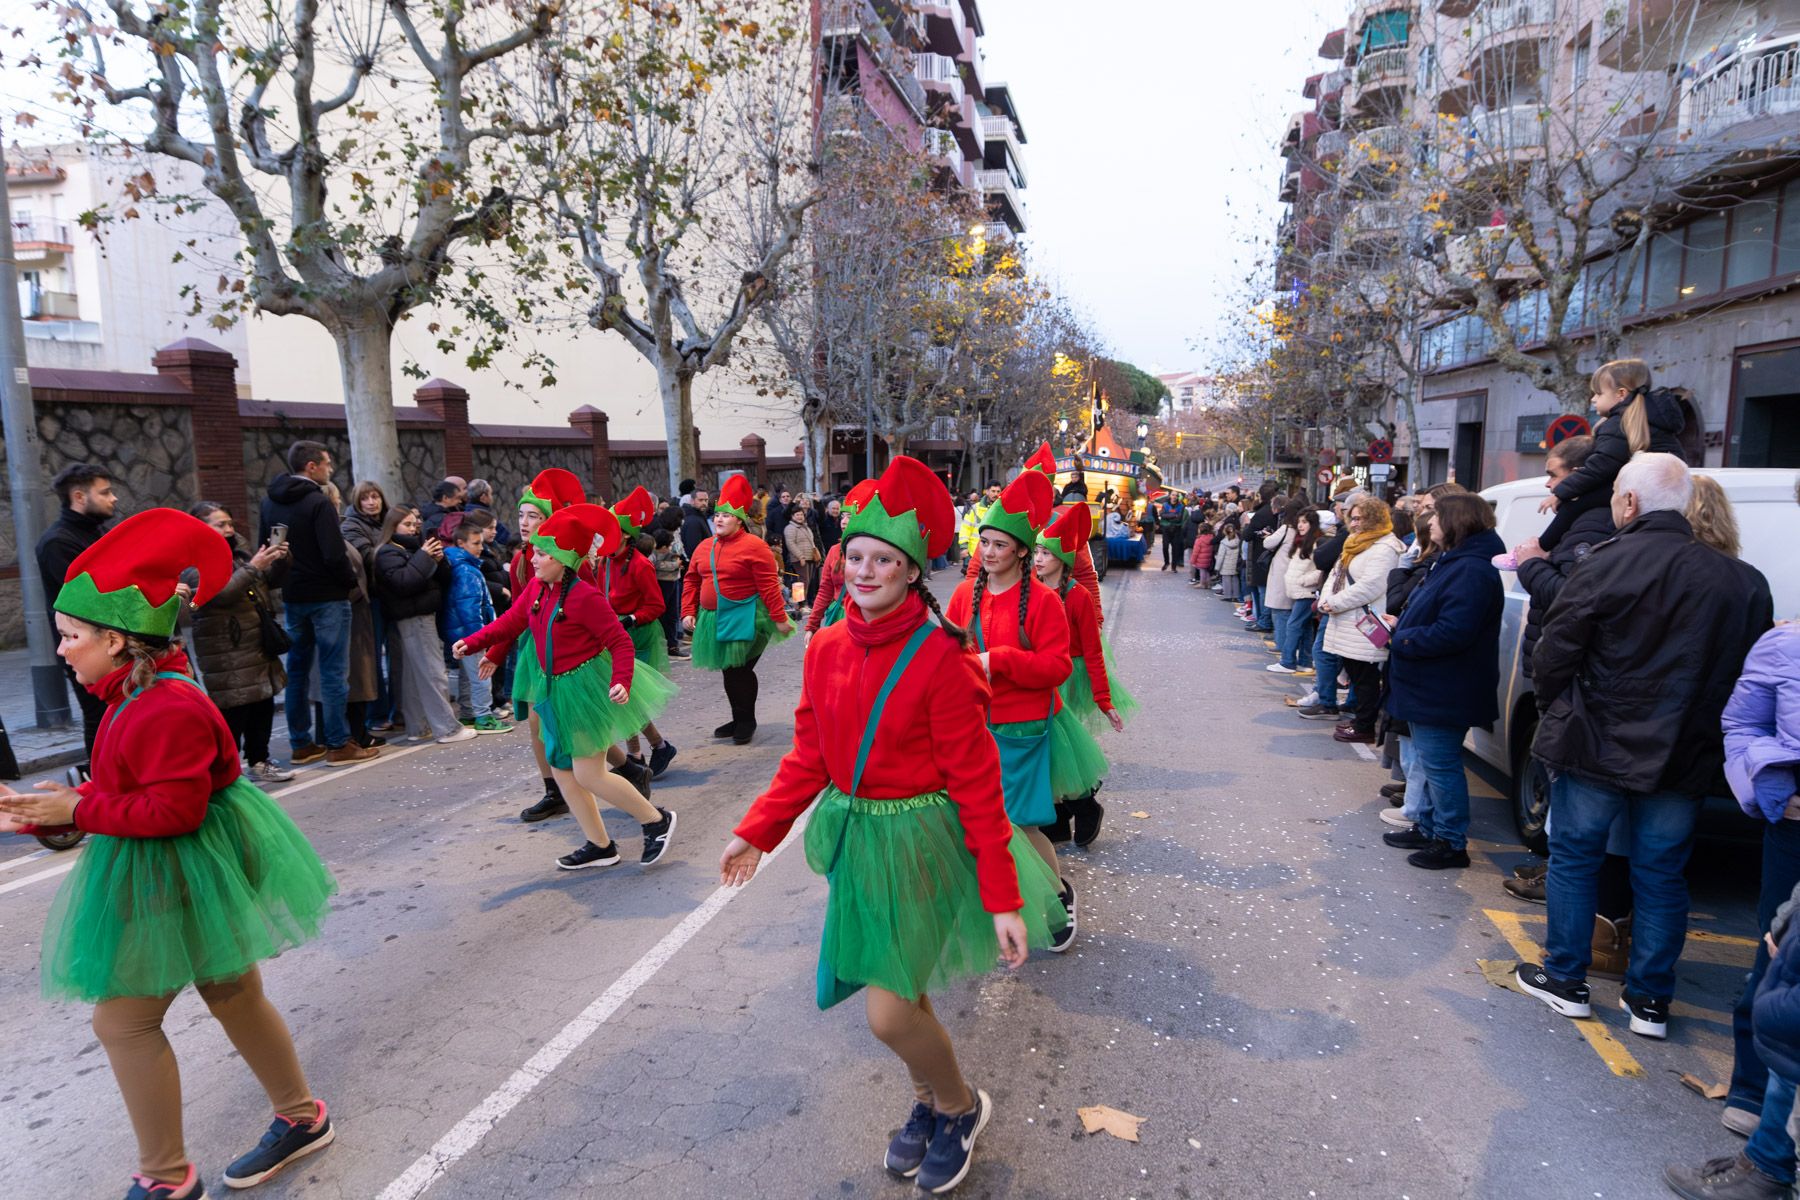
(286, 1142)
(145, 1188)
(907, 1150)
(952, 1150)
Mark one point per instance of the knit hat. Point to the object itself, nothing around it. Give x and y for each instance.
(1068, 532)
(126, 580)
(1023, 507)
(553, 488)
(569, 534)
(734, 498)
(1042, 459)
(635, 512)
(448, 525)
(909, 508)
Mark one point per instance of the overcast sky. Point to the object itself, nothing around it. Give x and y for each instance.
(1151, 159)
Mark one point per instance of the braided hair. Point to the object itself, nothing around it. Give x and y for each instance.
(981, 584)
(955, 631)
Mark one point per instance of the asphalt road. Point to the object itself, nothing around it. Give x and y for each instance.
(1292, 1009)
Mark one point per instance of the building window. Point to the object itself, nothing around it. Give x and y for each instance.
(1787, 236)
(1427, 75)
(1704, 272)
(1584, 56)
(1384, 31)
(1662, 279)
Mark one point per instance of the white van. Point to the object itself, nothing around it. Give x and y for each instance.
(1764, 501)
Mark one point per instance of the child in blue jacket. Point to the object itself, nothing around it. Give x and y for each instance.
(470, 608)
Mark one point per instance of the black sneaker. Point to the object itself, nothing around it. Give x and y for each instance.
(1062, 939)
(1318, 712)
(728, 729)
(1088, 815)
(660, 758)
(285, 1142)
(1058, 830)
(590, 855)
(1394, 793)
(1649, 1015)
(145, 1188)
(1439, 856)
(551, 805)
(1406, 839)
(656, 837)
(1568, 997)
(907, 1151)
(679, 653)
(952, 1148)
(636, 774)
(1733, 1177)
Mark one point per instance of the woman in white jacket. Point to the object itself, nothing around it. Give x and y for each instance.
(1357, 591)
(1300, 581)
(1279, 542)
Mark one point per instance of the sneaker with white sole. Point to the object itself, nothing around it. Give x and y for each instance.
(1278, 669)
(1394, 816)
(267, 772)
(285, 1143)
(656, 838)
(1649, 1014)
(1568, 997)
(1062, 939)
(906, 1153)
(589, 855)
(463, 733)
(952, 1149)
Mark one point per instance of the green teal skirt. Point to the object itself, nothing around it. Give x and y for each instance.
(1077, 764)
(710, 654)
(1078, 694)
(149, 916)
(905, 909)
(1026, 771)
(578, 718)
(528, 672)
(651, 646)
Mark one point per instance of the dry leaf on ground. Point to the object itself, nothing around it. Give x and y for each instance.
(1121, 1125)
(1141, 815)
(1499, 972)
(1712, 1091)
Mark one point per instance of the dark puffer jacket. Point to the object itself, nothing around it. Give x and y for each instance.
(318, 567)
(228, 645)
(1444, 659)
(1612, 450)
(409, 581)
(1543, 578)
(1638, 655)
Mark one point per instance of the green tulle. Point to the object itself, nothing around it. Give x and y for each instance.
(528, 672)
(905, 909)
(148, 916)
(1077, 764)
(581, 718)
(710, 654)
(651, 646)
(1078, 695)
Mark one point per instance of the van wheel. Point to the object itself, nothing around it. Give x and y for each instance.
(61, 841)
(1530, 795)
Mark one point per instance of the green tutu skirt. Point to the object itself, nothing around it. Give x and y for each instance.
(528, 671)
(1077, 764)
(905, 908)
(651, 646)
(710, 654)
(1078, 694)
(578, 718)
(148, 916)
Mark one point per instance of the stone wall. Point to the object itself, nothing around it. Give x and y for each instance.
(635, 472)
(510, 466)
(791, 478)
(265, 457)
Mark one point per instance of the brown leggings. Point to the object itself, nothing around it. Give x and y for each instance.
(143, 1063)
(913, 1031)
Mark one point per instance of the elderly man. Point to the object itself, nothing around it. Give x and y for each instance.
(1638, 654)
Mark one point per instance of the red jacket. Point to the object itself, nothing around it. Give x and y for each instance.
(158, 761)
(930, 739)
(746, 568)
(1024, 680)
(587, 627)
(630, 583)
(1203, 550)
(1083, 573)
(831, 583)
(1084, 643)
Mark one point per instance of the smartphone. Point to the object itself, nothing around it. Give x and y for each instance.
(278, 535)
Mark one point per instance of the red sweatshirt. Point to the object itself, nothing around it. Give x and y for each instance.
(157, 763)
(746, 568)
(831, 583)
(931, 738)
(1084, 643)
(1024, 681)
(629, 581)
(587, 627)
(1083, 572)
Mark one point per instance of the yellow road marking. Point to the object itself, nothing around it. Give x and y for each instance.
(1613, 1053)
(1701, 935)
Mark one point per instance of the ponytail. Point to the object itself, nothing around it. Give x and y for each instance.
(1636, 421)
(1632, 374)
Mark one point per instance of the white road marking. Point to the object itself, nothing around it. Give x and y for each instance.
(467, 1133)
(52, 873)
(10, 863)
(1363, 749)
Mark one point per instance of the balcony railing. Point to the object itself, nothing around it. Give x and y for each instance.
(1001, 183)
(44, 304)
(939, 73)
(1495, 18)
(41, 231)
(1383, 66)
(1757, 81)
(1374, 147)
(1332, 146)
(1518, 127)
(1478, 254)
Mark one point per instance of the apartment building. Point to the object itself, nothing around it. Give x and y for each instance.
(1691, 257)
(1189, 391)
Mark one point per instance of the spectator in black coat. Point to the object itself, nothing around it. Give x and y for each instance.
(696, 526)
(88, 503)
(1542, 574)
(481, 499)
(1262, 523)
(448, 495)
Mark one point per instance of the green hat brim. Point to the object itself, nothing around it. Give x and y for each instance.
(1054, 546)
(127, 610)
(1016, 524)
(529, 497)
(902, 532)
(567, 558)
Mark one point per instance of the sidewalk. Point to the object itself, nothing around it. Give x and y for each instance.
(40, 751)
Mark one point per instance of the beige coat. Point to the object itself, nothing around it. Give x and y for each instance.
(1365, 584)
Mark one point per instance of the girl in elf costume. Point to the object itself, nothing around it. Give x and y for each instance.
(594, 690)
(828, 605)
(1089, 695)
(553, 489)
(929, 882)
(1022, 636)
(1044, 462)
(629, 582)
(731, 602)
(191, 874)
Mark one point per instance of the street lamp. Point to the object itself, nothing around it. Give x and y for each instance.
(1143, 432)
(1062, 425)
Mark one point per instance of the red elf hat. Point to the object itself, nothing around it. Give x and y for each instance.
(126, 580)
(553, 488)
(908, 508)
(1023, 508)
(1067, 532)
(1042, 460)
(734, 498)
(635, 512)
(569, 534)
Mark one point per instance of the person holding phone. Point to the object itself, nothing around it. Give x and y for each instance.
(411, 577)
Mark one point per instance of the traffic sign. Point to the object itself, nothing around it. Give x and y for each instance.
(1564, 427)
(1323, 476)
(1381, 450)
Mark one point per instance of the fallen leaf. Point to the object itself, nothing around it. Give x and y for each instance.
(1499, 972)
(1712, 1091)
(1141, 815)
(1121, 1125)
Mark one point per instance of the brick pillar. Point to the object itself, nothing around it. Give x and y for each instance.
(449, 403)
(592, 422)
(758, 450)
(210, 374)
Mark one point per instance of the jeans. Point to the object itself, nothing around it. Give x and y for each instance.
(1780, 872)
(1278, 619)
(1662, 834)
(1294, 636)
(1770, 1148)
(1437, 750)
(1259, 612)
(474, 694)
(1327, 664)
(1418, 795)
(322, 626)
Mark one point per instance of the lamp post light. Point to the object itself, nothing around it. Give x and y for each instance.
(1143, 432)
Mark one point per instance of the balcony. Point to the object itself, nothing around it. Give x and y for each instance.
(939, 75)
(1646, 35)
(1456, 8)
(1511, 131)
(1370, 221)
(1379, 73)
(1374, 149)
(1500, 21)
(947, 29)
(1001, 129)
(1003, 197)
(1756, 82)
(1290, 182)
(41, 304)
(946, 155)
(965, 122)
(1331, 148)
(41, 243)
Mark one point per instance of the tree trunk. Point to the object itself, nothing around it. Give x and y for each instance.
(676, 388)
(817, 447)
(366, 365)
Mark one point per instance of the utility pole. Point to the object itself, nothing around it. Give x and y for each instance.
(25, 478)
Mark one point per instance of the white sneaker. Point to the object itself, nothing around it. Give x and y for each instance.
(268, 772)
(463, 733)
(1278, 669)
(1305, 701)
(1392, 817)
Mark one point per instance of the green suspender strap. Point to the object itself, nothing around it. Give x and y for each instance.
(832, 990)
(735, 620)
(126, 703)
